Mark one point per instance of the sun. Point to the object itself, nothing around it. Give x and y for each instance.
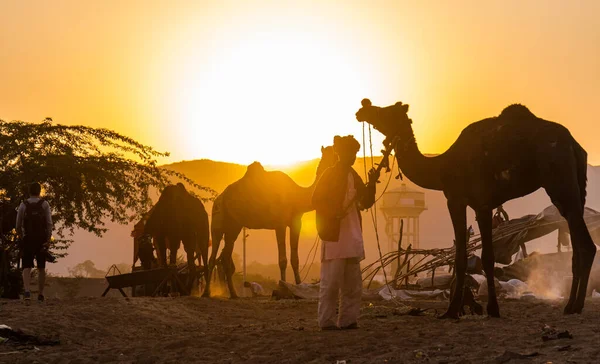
(272, 97)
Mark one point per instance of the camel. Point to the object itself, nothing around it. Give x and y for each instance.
(492, 161)
(262, 200)
(178, 217)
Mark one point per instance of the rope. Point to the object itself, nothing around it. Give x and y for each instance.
(313, 259)
(364, 150)
(309, 252)
(389, 179)
(374, 219)
(370, 145)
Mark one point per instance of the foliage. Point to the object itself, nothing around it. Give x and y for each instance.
(89, 175)
(86, 269)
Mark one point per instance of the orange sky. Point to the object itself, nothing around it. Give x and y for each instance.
(274, 80)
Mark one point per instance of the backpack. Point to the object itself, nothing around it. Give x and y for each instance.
(35, 220)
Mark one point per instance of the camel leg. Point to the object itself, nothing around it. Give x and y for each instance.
(173, 245)
(280, 234)
(228, 263)
(172, 257)
(574, 282)
(191, 267)
(484, 220)
(565, 195)
(294, 239)
(458, 214)
(217, 236)
(203, 253)
(230, 236)
(160, 244)
(584, 252)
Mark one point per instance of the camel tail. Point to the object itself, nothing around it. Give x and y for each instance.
(581, 159)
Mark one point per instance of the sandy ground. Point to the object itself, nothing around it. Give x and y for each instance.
(260, 330)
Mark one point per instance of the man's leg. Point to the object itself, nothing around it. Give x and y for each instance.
(27, 265)
(351, 294)
(329, 289)
(40, 259)
(27, 280)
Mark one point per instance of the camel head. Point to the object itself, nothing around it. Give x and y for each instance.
(166, 209)
(392, 121)
(328, 159)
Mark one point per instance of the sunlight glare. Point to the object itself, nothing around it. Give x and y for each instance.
(268, 97)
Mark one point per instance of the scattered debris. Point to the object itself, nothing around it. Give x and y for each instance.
(420, 354)
(10, 352)
(509, 355)
(420, 311)
(565, 348)
(550, 333)
(18, 337)
(372, 311)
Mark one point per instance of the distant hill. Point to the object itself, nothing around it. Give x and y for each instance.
(435, 226)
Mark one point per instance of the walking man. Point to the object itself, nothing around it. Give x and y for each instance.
(338, 197)
(34, 227)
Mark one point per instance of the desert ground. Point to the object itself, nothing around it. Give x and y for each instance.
(262, 330)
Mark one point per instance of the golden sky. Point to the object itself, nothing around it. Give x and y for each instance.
(274, 80)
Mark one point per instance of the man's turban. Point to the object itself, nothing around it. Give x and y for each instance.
(346, 144)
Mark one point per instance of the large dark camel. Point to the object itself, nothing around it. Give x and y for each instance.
(178, 217)
(492, 161)
(262, 200)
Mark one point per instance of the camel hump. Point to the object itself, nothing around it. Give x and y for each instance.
(516, 111)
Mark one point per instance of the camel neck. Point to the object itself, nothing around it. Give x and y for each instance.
(306, 196)
(423, 171)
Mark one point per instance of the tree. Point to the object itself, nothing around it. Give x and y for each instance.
(89, 175)
(86, 269)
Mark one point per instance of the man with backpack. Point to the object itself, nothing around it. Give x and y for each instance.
(34, 227)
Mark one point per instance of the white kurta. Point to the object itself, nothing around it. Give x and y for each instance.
(340, 269)
(350, 243)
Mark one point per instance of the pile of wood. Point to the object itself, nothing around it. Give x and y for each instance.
(410, 262)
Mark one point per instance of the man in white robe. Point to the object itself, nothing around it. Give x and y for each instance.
(339, 196)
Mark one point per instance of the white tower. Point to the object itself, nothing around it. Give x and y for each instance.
(406, 204)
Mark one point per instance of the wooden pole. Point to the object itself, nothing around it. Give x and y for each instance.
(397, 274)
(244, 252)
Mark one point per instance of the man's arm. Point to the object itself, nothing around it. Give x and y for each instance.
(20, 214)
(368, 198)
(49, 225)
(368, 192)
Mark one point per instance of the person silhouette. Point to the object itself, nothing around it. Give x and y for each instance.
(338, 197)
